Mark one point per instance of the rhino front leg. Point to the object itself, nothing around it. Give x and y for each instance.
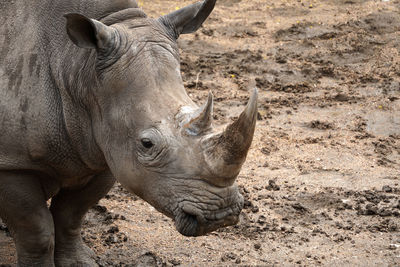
(69, 208)
(23, 208)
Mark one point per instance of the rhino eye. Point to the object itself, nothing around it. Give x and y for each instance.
(147, 143)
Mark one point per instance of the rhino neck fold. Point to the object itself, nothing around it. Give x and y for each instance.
(73, 70)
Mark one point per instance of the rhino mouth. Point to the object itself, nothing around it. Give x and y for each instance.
(190, 221)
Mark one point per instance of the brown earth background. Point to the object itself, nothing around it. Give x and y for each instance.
(321, 181)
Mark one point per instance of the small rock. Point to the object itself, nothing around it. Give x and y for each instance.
(387, 189)
(113, 229)
(297, 206)
(394, 246)
(384, 212)
(255, 209)
(229, 256)
(371, 209)
(111, 239)
(342, 97)
(272, 186)
(247, 204)
(100, 208)
(257, 246)
(175, 262)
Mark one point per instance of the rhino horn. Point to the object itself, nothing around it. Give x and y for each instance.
(189, 18)
(203, 117)
(239, 135)
(226, 152)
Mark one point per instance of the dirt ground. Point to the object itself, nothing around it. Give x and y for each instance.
(322, 179)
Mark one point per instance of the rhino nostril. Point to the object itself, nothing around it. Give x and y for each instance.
(190, 217)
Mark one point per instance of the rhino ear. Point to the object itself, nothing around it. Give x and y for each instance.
(188, 19)
(88, 33)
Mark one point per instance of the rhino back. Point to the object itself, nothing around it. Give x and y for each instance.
(32, 41)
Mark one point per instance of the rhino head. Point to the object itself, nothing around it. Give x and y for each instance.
(156, 141)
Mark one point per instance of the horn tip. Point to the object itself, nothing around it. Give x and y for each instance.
(254, 93)
(251, 109)
(253, 97)
(210, 95)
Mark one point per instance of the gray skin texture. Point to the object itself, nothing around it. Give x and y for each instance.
(98, 94)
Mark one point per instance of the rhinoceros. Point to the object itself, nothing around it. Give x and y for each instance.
(90, 92)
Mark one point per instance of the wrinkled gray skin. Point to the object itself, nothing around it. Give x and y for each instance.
(97, 94)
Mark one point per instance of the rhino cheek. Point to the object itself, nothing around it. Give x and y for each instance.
(123, 169)
(148, 186)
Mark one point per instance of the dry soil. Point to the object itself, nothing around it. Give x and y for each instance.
(321, 181)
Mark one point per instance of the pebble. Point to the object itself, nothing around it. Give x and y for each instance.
(387, 189)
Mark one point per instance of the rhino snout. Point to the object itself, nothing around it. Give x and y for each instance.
(192, 221)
